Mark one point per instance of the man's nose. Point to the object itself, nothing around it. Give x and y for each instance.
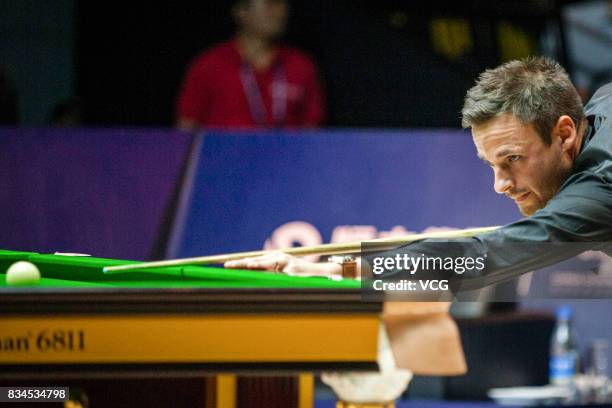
(503, 182)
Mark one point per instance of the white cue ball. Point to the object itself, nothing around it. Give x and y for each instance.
(22, 273)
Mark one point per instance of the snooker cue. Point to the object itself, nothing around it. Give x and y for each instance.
(323, 249)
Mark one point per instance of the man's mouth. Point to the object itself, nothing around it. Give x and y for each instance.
(521, 197)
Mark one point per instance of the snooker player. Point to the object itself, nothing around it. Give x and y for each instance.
(548, 153)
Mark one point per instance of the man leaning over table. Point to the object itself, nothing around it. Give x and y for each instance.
(548, 153)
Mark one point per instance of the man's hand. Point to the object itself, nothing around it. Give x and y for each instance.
(281, 262)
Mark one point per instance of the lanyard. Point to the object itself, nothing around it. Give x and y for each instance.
(255, 99)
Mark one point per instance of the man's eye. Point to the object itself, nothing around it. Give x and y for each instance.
(513, 158)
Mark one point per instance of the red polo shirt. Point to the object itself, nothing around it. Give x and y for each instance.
(213, 92)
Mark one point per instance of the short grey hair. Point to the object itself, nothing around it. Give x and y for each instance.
(536, 90)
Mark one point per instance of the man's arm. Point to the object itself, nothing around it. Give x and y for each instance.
(313, 109)
(194, 98)
(577, 219)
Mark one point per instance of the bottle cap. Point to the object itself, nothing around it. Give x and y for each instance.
(564, 312)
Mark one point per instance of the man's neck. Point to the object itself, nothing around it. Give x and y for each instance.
(257, 51)
(581, 133)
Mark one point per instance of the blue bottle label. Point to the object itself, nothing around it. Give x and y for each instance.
(563, 367)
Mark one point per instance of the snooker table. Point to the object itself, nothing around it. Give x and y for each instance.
(185, 322)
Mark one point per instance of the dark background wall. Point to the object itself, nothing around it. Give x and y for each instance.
(378, 59)
(36, 58)
(384, 62)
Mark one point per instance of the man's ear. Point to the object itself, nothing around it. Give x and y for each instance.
(565, 132)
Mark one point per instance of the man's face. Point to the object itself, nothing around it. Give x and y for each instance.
(526, 169)
(266, 18)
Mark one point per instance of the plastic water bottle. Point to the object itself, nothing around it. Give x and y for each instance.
(597, 371)
(563, 349)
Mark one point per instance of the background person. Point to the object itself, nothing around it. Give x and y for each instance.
(252, 80)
